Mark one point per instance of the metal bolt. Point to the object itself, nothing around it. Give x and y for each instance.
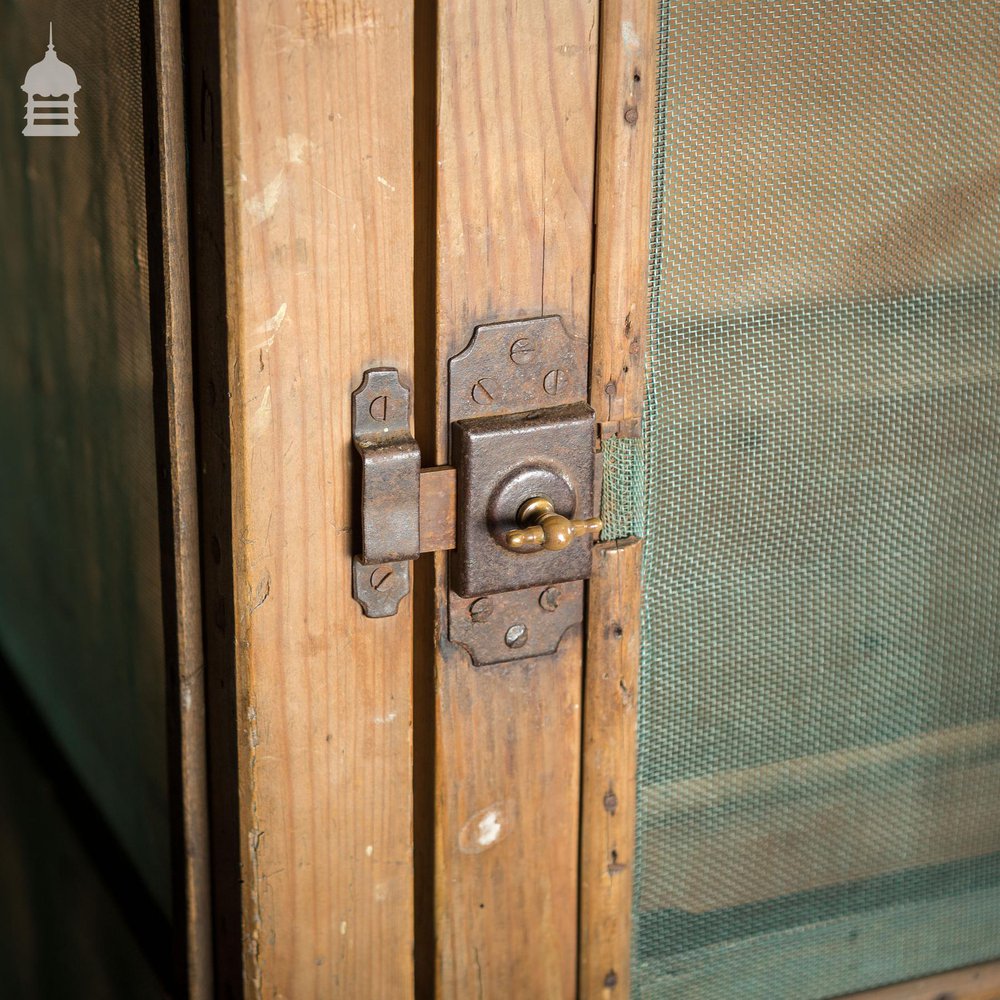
(517, 636)
(379, 408)
(522, 351)
(381, 578)
(549, 598)
(611, 980)
(481, 610)
(610, 802)
(555, 382)
(631, 115)
(484, 391)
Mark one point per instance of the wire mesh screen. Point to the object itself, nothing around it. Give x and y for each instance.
(819, 760)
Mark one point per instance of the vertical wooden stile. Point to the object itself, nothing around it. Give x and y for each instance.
(620, 322)
(303, 129)
(173, 381)
(516, 100)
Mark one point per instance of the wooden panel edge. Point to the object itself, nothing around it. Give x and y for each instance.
(625, 127)
(173, 375)
(608, 794)
(626, 121)
(975, 982)
(320, 202)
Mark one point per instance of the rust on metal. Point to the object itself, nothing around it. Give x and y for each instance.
(380, 588)
(501, 463)
(520, 365)
(437, 509)
(390, 469)
(517, 627)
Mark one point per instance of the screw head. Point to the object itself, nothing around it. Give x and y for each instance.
(485, 391)
(522, 351)
(517, 636)
(379, 408)
(549, 598)
(382, 578)
(481, 610)
(555, 382)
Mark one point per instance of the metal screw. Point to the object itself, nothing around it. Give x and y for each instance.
(549, 598)
(522, 351)
(631, 115)
(611, 980)
(517, 636)
(554, 382)
(481, 610)
(484, 391)
(610, 802)
(379, 408)
(381, 578)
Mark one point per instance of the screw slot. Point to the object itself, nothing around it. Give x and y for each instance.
(522, 351)
(481, 610)
(549, 599)
(555, 381)
(485, 391)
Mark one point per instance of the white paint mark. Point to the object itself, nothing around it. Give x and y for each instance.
(385, 183)
(272, 325)
(381, 720)
(261, 206)
(630, 37)
(489, 829)
(343, 926)
(370, 850)
(486, 828)
(296, 144)
(381, 892)
(261, 420)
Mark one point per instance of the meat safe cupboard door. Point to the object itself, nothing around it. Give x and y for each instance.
(819, 717)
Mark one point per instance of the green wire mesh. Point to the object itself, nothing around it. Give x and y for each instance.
(819, 733)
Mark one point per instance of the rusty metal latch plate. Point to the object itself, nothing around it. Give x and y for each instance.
(390, 492)
(522, 439)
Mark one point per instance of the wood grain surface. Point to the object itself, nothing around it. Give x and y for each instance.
(608, 797)
(977, 982)
(314, 101)
(516, 109)
(620, 324)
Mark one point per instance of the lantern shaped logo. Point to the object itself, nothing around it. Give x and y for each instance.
(51, 87)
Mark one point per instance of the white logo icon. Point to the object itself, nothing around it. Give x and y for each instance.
(51, 86)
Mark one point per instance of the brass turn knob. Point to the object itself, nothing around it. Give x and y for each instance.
(541, 525)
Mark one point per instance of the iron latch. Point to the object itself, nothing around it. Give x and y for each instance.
(517, 507)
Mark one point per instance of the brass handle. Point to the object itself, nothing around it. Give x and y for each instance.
(541, 525)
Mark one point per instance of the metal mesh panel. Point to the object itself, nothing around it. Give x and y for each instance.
(819, 760)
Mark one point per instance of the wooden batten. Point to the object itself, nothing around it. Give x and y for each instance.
(628, 51)
(302, 132)
(608, 796)
(516, 112)
(173, 380)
